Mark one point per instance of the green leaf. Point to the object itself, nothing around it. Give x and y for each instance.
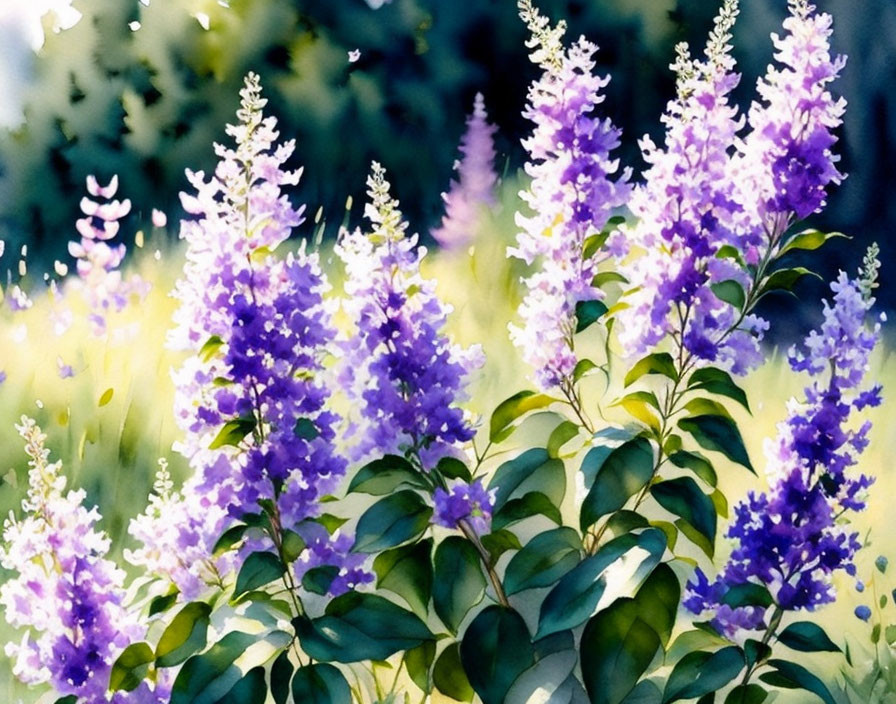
(583, 366)
(561, 435)
(418, 662)
(163, 602)
(131, 667)
(185, 635)
(359, 626)
(532, 504)
(453, 468)
(789, 674)
(317, 580)
(449, 677)
(755, 651)
(548, 674)
(250, 689)
(533, 470)
(259, 569)
(656, 363)
(730, 292)
(305, 429)
(208, 676)
(508, 412)
(624, 472)
(747, 594)
(330, 522)
(746, 694)
(385, 475)
(320, 684)
(210, 348)
(809, 240)
(544, 560)
(684, 498)
(106, 397)
(621, 641)
(719, 434)
(576, 596)
(588, 313)
(407, 571)
(699, 673)
(233, 433)
(697, 463)
(498, 542)
(229, 538)
(281, 674)
(495, 650)
(719, 382)
(784, 279)
(623, 522)
(807, 637)
(391, 521)
(459, 583)
(638, 405)
(606, 277)
(293, 545)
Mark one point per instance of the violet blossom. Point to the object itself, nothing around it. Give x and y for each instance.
(250, 401)
(402, 374)
(474, 188)
(793, 538)
(463, 501)
(571, 197)
(66, 595)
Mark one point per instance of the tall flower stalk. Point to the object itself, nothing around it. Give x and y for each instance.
(571, 196)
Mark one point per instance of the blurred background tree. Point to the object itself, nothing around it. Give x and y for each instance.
(143, 91)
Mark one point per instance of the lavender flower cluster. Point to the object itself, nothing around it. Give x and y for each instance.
(793, 538)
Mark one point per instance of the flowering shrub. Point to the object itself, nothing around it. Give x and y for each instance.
(340, 521)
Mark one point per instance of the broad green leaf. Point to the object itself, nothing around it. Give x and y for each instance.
(624, 472)
(730, 292)
(207, 677)
(746, 694)
(459, 583)
(588, 313)
(259, 569)
(706, 407)
(620, 642)
(305, 429)
(418, 662)
(606, 277)
(359, 626)
(543, 560)
(329, 521)
(391, 521)
(789, 674)
(385, 475)
(583, 366)
(533, 470)
(719, 382)
(508, 412)
(532, 504)
(407, 571)
(453, 468)
(809, 240)
(185, 635)
(807, 637)
(230, 538)
(281, 674)
(697, 463)
(233, 433)
(719, 434)
(699, 673)
(656, 363)
(320, 684)
(623, 522)
(784, 279)
(318, 579)
(642, 406)
(163, 602)
(250, 689)
(755, 651)
(561, 435)
(210, 348)
(684, 498)
(548, 674)
(627, 559)
(495, 650)
(292, 546)
(131, 667)
(498, 542)
(747, 594)
(449, 677)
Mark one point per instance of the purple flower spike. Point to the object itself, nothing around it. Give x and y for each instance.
(792, 539)
(474, 188)
(402, 374)
(572, 196)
